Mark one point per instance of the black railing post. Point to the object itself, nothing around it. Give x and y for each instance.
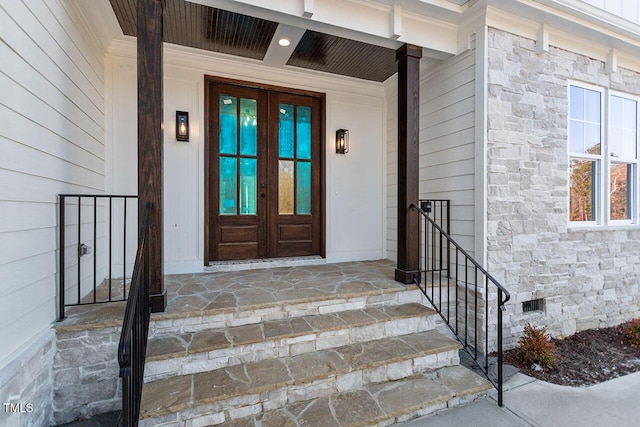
(436, 225)
(78, 247)
(61, 259)
(135, 328)
(500, 379)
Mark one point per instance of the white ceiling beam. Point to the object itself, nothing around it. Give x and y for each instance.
(277, 55)
(307, 8)
(396, 22)
(368, 22)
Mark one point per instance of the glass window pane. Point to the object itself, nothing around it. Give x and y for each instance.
(248, 127)
(615, 142)
(228, 186)
(582, 190)
(285, 131)
(248, 186)
(303, 188)
(228, 125)
(620, 191)
(577, 103)
(628, 144)
(285, 187)
(616, 111)
(629, 113)
(303, 132)
(592, 106)
(592, 139)
(576, 136)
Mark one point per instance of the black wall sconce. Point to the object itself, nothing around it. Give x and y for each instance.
(182, 125)
(342, 141)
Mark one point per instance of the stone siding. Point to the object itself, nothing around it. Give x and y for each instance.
(27, 384)
(588, 278)
(86, 374)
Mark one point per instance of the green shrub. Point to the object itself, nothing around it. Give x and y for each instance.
(631, 331)
(536, 348)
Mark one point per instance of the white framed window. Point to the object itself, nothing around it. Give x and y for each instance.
(603, 156)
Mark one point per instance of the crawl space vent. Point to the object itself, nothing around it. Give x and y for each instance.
(532, 305)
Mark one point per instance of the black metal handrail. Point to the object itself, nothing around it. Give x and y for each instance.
(442, 259)
(132, 348)
(95, 203)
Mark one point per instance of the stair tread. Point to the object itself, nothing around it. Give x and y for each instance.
(270, 374)
(182, 344)
(375, 403)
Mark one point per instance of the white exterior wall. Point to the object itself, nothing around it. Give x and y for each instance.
(447, 145)
(354, 182)
(52, 141)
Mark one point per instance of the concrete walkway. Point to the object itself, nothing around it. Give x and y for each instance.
(531, 402)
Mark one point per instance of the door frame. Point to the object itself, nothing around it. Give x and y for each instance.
(208, 167)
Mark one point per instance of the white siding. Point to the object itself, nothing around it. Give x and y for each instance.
(447, 146)
(627, 9)
(447, 142)
(354, 182)
(52, 141)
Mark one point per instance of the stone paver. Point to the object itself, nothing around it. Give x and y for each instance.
(331, 367)
(180, 344)
(234, 291)
(380, 403)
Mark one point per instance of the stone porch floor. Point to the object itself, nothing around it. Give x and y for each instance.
(233, 291)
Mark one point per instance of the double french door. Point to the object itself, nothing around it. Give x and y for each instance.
(264, 173)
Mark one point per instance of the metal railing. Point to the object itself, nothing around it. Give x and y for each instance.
(444, 264)
(132, 348)
(92, 215)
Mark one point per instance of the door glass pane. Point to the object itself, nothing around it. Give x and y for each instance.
(582, 191)
(228, 124)
(303, 132)
(248, 186)
(248, 127)
(620, 190)
(285, 131)
(228, 186)
(285, 187)
(303, 188)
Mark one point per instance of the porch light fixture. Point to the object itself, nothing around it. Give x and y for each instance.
(342, 141)
(182, 126)
(284, 42)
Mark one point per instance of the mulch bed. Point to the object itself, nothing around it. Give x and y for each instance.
(586, 358)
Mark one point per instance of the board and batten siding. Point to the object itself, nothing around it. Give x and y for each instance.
(51, 142)
(447, 145)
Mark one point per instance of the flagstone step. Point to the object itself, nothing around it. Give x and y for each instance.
(374, 404)
(188, 353)
(271, 384)
(238, 309)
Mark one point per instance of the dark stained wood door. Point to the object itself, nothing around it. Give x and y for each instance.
(264, 180)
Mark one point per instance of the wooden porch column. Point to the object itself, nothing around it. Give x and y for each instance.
(150, 139)
(408, 57)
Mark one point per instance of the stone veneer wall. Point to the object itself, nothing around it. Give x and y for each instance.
(86, 374)
(588, 277)
(27, 381)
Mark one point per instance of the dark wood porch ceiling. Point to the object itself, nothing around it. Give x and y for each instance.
(203, 27)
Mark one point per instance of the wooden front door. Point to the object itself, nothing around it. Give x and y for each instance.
(264, 180)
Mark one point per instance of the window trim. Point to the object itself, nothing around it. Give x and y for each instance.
(604, 161)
